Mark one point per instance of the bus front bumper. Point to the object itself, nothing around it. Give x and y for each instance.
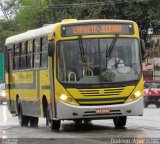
(66, 111)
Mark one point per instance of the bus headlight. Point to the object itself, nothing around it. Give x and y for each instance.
(134, 96)
(67, 99)
(63, 97)
(137, 94)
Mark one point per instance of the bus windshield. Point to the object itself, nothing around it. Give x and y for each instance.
(89, 61)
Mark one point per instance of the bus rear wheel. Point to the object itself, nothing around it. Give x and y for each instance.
(23, 120)
(34, 121)
(55, 124)
(120, 122)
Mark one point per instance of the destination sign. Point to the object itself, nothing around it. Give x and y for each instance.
(94, 29)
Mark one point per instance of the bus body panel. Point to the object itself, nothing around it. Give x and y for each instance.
(66, 111)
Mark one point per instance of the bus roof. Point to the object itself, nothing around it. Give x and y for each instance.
(51, 28)
(30, 34)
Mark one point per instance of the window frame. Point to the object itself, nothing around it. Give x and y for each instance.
(29, 53)
(44, 52)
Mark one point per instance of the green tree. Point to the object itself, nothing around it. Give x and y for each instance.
(31, 14)
(142, 12)
(7, 28)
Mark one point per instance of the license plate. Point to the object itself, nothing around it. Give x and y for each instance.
(102, 110)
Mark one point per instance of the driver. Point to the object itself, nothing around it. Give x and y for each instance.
(114, 60)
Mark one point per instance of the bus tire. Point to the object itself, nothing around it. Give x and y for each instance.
(23, 120)
(120, 122)
(87, 121)
(48, 118)
(34, 121)
(55, 124)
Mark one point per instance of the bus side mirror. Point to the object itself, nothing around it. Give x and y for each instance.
(51, 48)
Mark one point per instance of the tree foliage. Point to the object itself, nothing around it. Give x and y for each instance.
(23, 15)
(35, 13)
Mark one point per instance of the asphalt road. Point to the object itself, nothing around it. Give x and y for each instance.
(145, 129)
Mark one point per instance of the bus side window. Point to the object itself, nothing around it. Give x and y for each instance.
(36, 54)
(29, 54)
(16, 57)
(44, 51)
(23, 55)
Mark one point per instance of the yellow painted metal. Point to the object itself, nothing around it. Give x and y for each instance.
(140, 88)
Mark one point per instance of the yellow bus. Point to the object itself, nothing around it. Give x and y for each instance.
(63, 71)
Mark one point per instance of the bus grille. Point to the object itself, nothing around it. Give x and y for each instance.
(108, 96)
(99, 92)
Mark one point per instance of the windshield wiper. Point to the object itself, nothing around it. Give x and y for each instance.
(108, 51)
(81, 49)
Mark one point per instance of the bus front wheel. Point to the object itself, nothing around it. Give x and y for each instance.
(120, 122)
(55, 124)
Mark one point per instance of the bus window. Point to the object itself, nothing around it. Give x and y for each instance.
(37, 45)
(89, 61)
(44, 60)
(16, 52)
(29, 54)
(30, 47)
(36, 53)
(23, 56)
(23, 48)
(44, 51)
(44, 44)
(16, 57)
(36, 60)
